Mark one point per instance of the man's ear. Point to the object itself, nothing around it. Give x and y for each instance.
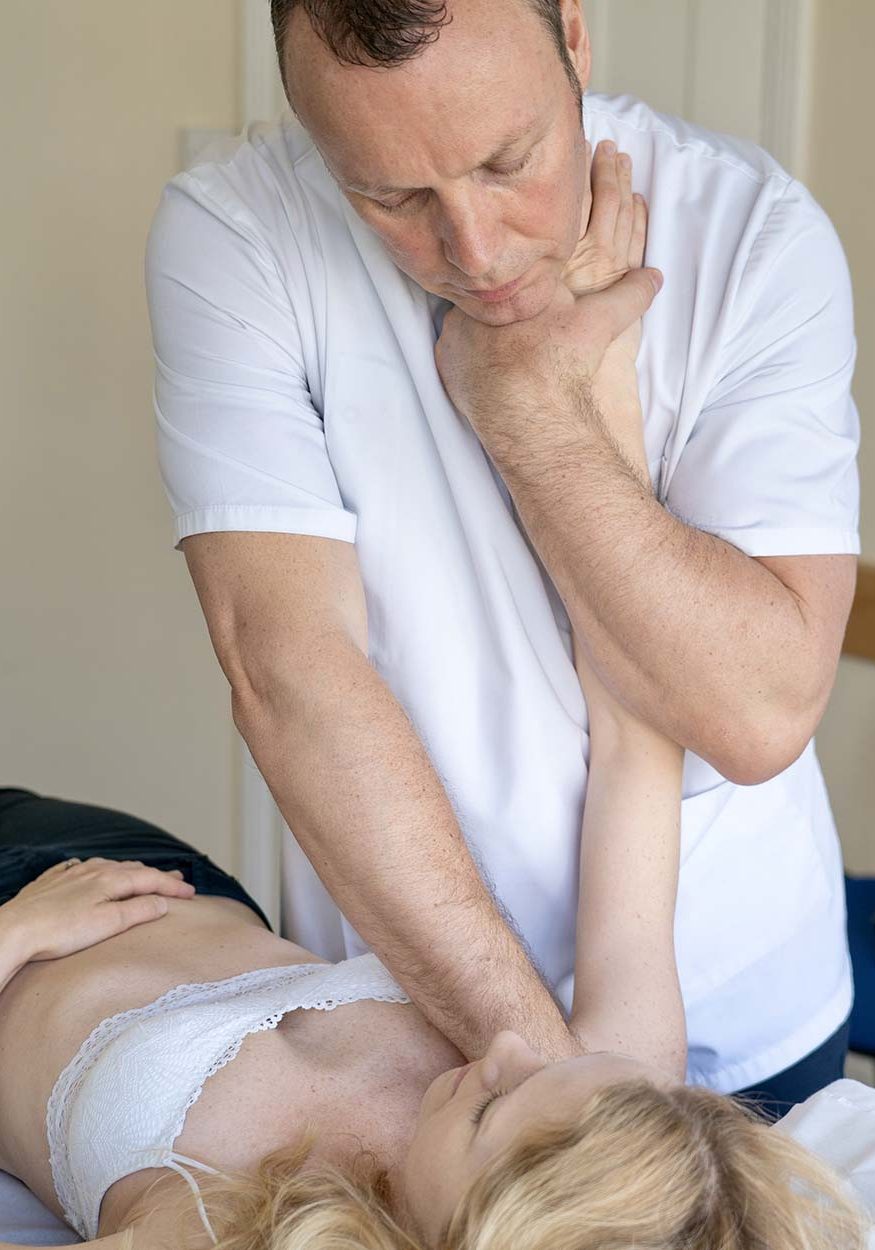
(577, 40)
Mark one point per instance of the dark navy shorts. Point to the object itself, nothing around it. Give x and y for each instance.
(36, 832)
(775, 1095)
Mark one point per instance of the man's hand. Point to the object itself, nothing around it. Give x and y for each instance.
(500, 376)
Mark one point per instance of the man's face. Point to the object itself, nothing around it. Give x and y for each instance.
(469, 160)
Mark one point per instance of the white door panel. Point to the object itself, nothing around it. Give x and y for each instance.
(641, 47)
(725, 57)
(740, 67)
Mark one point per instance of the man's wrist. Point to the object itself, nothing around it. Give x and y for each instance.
(568, 1046)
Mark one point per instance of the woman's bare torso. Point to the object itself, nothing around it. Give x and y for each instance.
(334, 1068)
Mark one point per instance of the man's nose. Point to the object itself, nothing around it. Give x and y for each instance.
(471, 237)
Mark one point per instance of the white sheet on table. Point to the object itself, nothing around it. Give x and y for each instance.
(25, 1221)
(837, 1123)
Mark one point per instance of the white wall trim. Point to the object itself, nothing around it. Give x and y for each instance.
(788, 68)
(692, 38)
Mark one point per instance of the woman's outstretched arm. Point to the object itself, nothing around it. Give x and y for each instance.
(627, 995)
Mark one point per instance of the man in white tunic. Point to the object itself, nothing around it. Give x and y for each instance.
(396, 511)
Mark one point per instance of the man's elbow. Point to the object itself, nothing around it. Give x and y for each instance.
(751, 753)
(290, 685)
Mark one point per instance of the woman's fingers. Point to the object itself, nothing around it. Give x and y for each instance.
(63, 865)
(639, 233)
(626, 207)
(96, 864)
(615, 235)
(605, 194)
(618, 307)
(118, 915)
(118, 879)
(122, 880)
(138, 910)
(103, 880)
(126, 875)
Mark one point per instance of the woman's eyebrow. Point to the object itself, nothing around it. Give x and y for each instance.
(522, 1083)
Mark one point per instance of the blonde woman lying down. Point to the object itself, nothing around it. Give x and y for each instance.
(335, 1115)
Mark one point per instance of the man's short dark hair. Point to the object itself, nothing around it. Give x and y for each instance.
(388, 32)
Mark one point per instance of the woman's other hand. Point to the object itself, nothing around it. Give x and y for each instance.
(614, 243)
(76, 904)
(616, 231)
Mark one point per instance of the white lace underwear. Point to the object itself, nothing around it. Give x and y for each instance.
(121, 1102)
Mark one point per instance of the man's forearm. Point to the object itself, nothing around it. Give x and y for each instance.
(691, 634)
(356, 786)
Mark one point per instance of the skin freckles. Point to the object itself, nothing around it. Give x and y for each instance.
(470, 182)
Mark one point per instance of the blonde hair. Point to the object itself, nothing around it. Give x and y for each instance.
(288, 1203)
(682, 1168)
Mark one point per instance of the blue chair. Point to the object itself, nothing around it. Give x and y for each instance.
(860, 893)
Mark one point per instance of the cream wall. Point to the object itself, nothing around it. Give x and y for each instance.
(109, 691)
(842, 177)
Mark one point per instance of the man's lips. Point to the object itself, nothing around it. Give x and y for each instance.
(497, 293)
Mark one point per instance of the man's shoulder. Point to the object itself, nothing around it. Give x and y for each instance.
(713, 194)
(707, 191)
(264, 192)
(257, 177)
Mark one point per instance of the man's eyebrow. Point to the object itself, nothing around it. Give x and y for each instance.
(506, 145)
